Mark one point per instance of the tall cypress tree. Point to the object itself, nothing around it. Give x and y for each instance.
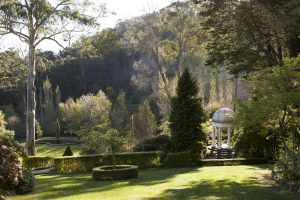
(186, 117)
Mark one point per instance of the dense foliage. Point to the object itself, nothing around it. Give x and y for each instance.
(10, 166)
(179, 159)
(12, 176)
(288, 164)
(250, 143)
(273, 109)
(26, 182)
(161, 142)
(251, 35)
(186, 117)
(84, 114)
(143, 122)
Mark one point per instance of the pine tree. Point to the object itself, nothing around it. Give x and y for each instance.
(186, 117)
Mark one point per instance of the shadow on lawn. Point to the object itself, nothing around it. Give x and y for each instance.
(74, 184)
(225, 190)
(252, 188)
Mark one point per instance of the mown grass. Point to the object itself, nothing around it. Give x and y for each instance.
(45, 150)
(226, 182)
(48, 150)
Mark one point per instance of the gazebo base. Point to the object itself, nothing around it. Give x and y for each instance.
(222, 152)
(223, 146)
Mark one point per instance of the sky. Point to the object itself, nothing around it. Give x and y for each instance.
(123, 9)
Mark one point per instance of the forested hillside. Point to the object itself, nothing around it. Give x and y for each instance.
(141, 56)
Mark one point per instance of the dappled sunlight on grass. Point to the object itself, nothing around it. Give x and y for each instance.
(232, 182)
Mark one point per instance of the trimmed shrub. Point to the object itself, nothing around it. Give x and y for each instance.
(88, 162)
(120, 172)
(160, 142)
(231, 162)
(33, 162)
(68, 151)
(26, 182)
(180, 159)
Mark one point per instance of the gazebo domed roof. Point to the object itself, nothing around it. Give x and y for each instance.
(223, 115)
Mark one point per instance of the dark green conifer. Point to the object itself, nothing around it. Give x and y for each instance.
(186, 117)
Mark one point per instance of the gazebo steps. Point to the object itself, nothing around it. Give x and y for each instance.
(223, 153)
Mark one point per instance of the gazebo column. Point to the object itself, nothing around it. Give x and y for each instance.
(228, 138)
(213, 137)
(219, 137)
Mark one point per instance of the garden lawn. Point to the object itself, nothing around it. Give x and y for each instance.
(225, 182)
(46, 150)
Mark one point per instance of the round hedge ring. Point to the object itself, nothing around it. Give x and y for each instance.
(120, 172)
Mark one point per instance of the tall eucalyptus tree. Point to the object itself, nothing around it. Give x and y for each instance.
(34, 21)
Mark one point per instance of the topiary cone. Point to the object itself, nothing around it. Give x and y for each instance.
(68, 151)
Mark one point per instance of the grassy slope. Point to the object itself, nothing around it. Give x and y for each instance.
(55, 151)
(228, 182)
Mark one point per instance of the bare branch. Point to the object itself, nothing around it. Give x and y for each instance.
(50, 38)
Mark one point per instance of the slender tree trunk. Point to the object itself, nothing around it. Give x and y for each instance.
(235, 92)
(41, 106)
(113, 156)
(207, 87)
(217, 87)
(31, 104)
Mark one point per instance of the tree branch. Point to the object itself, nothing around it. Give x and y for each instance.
(49, 38)
(37, 25)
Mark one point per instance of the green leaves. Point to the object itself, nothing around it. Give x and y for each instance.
(275, 99)
(100, 140)
(87, 112)
(249, 36)
(13, 72)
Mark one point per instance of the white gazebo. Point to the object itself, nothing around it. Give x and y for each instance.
(222, 119)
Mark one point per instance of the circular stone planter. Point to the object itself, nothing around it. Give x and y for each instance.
(120, 172)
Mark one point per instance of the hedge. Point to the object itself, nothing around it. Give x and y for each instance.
(230, 162)
(161, 142)
(180, 159)
(120, 172)
(33, 162)
(87, 162)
